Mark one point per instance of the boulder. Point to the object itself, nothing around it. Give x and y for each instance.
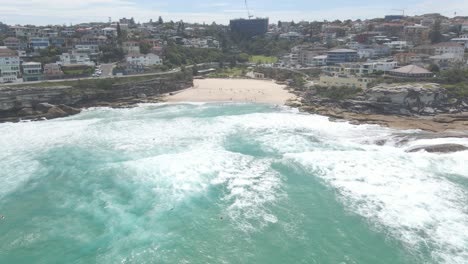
(442, 148)
(43, 107)
(27, 111)
(55, 112)
(69, 110)
(141, 96)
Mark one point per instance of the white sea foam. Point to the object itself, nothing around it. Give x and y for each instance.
(414, 195)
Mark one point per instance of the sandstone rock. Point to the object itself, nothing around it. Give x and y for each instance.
(443, 148)
(43, 107)
(26, 112)
(69, 110)
(55, 112)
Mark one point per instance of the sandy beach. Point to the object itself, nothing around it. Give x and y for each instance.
(233, 90)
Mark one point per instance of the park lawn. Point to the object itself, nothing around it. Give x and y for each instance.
(263, 59)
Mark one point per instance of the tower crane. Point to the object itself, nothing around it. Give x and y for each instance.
(248, 10)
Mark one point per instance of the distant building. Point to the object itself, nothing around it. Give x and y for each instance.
(394, 17)
(75, 59)
(131, 47)
(39, 43)
(417, 34)
(398, 46)
(32, 71)
(109, 32)
(249, 27)
(338, 56)
(255, 75)
(411, 71)
(12, 43)
(362, 68)
(144, 59)
(463, 40)
(9, 65)
(52, 71)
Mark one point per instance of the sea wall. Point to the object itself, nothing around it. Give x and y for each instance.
(36, 100)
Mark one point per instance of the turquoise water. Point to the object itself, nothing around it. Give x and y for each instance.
(234, 183)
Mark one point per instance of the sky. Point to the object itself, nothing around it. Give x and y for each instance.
(44, 12)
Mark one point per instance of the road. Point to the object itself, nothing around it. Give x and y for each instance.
(107, 69)
(89, 78)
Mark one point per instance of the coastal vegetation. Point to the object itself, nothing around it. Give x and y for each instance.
(260, 59)
(336, 93)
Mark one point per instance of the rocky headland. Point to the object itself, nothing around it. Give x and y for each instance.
(425, 106)
(59, 99)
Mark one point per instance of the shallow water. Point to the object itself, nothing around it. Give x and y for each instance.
(226, 183)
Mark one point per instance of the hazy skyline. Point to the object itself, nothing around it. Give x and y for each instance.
(220, 11)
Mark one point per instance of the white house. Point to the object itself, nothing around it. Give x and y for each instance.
(149, 59)
(75, 58)
(398, 46)
(457, 50)
(9, 65)
(462, 39)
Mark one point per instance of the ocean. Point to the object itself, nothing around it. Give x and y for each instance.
(227, 183)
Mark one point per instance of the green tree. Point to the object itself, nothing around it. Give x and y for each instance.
(434, 68)
(160, 20)
(119, 34)
(145, 48)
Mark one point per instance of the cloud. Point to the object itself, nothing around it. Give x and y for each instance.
(62, 11)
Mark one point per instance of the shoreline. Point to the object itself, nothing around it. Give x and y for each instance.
(233, 90)
(443, 123)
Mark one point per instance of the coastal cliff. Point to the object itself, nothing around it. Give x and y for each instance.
(58, 99)
(425, 106)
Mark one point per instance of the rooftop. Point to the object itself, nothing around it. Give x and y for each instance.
(342, 50)
(411, 69)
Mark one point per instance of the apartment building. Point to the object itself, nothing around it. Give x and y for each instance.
(144, 59)
(9, 66)
(32, 71)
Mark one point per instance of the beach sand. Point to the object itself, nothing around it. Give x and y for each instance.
(233, 90)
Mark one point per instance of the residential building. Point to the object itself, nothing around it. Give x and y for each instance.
(320, 60)
(343, 81)
(457, 50)
(9, 65)
(109, 32)
(131, 47)
(421, 60)
(341, 56)
(360, 69)
(398, 46)
(75, 59)
(463, 40)
(411, 71)
(12, 43)
(416, 34)
(32, 71)
(144, 59)
(52, 71)
(20, 31)
(39, 43)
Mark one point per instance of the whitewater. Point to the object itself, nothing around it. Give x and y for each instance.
(227, 183)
